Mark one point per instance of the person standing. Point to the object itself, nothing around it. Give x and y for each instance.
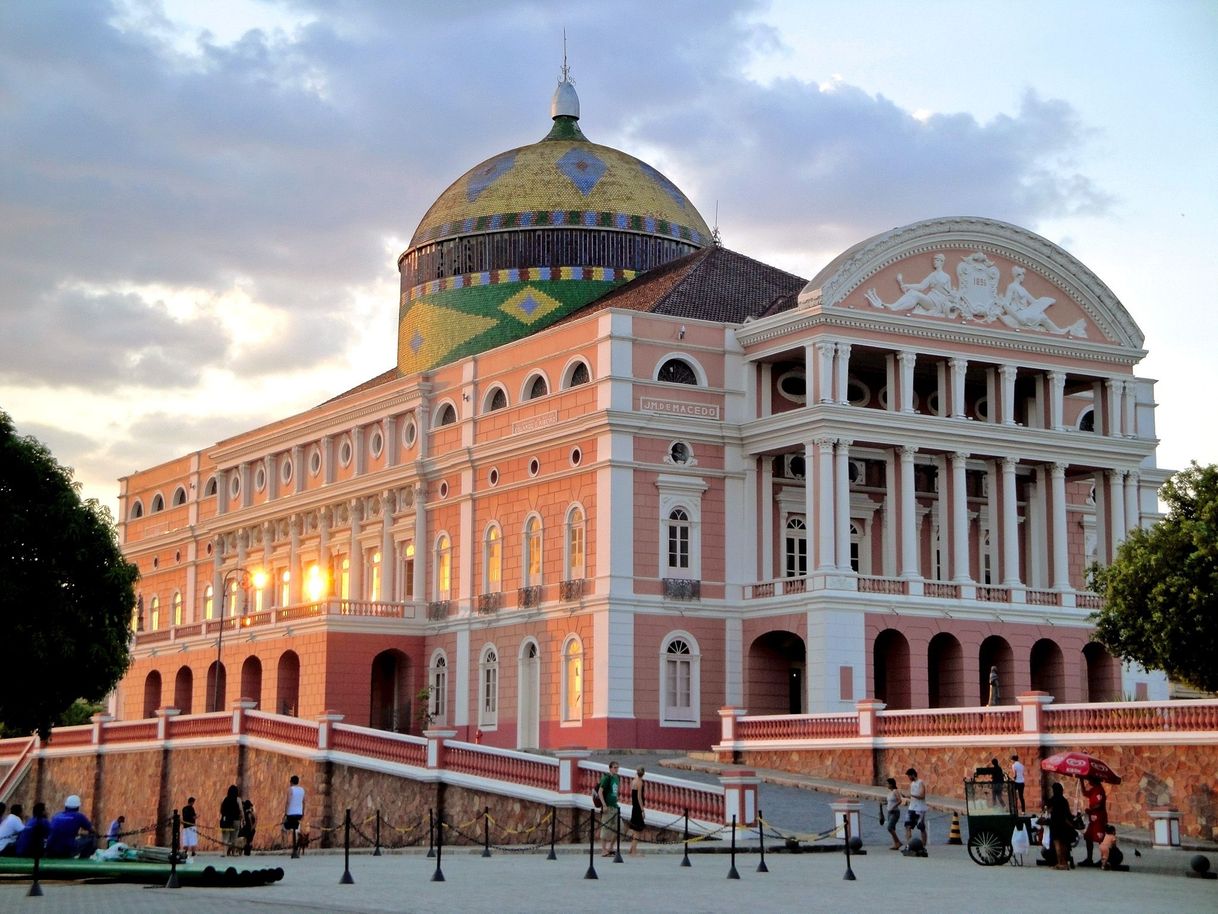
(637, 816)
(249, 825)
(190, 831)
(611, 815)
(230, 820)
(1061, 828)
(1097, 817)
(1017, 776)
(998, 776)
(892, 812)
(917, 807)
(995, 690)
(293, 811)
(10, 828)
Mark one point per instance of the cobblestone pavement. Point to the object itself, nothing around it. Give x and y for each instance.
(947, 880)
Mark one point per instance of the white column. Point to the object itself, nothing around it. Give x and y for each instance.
(221, 491)
(325, 517)
(422, 549)
(909, 514)
(959, 367)
(960, 542)
(889, 568)
(826, 561)
(1061, 560)
(298, 469)
(812, 509)
(1133, 518)
(842, 503)
(843, 373)
(765, 509)
(1057, 390)
(824, 372)
(294, 571)
(992, 528)
(906, 361)
(1129, 421)
(1010, 525)
(388, 559)
(1114, 412)
(1116, 508)
(243, 541)
(1007, 374)
(217, 578)
(355, 558)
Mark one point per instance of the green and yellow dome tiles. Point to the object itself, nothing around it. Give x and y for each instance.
(531, 235)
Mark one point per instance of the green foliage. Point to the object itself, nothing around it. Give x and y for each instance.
(1161, 592)
(66, 592)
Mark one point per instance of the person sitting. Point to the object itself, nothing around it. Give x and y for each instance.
(71, 833)
(10, 829)
(33, 837)
(1111, 856)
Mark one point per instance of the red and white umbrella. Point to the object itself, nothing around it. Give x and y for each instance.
(1080, 765)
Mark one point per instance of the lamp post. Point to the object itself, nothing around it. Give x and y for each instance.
(243, 579)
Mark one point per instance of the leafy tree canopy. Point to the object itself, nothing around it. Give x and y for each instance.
(1161, 592)
(66, 592)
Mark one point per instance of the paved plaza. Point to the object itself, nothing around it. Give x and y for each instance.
(946, 881)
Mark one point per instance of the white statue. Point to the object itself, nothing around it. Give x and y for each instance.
(933, 295)
(1020, 309)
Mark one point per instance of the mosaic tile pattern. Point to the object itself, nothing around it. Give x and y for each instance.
(625, 221)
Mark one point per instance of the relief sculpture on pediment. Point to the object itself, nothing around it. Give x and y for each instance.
(975, 296)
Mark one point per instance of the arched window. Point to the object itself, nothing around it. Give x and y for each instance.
(532, 551)
(137, 510)
(578, 374)
(679, 681)
(372, 581)
(856, 539)
(537, 387)
(446, 416)
(437, 688)
(576, 566)
(158, 503)
(179, 497)
(177, 607)
(492, 560)
(677, 371)
(208, 605)
(678, 540)
(796, 548)
(497, 400)
(209, 490)
(488, 697)
(1086, 422)
(572, 681)
(154, 613)
(444, 567)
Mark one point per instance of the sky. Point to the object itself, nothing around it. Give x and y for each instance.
(202, 204)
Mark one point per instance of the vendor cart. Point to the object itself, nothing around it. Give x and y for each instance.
(990, 810)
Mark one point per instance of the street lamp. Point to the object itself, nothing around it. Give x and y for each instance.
(242, 578)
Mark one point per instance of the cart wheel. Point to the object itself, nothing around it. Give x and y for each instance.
(987, 849)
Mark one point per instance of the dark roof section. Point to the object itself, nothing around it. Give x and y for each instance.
(383, 378)
(713, 284)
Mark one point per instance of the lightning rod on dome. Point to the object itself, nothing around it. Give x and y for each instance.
(716, 238)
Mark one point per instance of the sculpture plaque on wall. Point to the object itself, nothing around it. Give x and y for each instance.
(975, 297)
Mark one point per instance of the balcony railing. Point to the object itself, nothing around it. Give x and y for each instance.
(571, 590)
(682, 589)
(528, 597)
(489, 603)
(438, 609)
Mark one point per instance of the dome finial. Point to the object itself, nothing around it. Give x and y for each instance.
(565, 102)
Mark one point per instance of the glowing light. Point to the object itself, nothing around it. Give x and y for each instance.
(315, 583)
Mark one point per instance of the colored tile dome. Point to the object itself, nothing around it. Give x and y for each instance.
(531, 235)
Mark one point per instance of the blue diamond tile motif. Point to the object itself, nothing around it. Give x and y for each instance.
(488, 174)
(582, 168)
(416, 342)
(528, 305)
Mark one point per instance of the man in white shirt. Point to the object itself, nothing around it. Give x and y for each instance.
(10, 827)
(917, 807)
(293, 812)
(1017, 776)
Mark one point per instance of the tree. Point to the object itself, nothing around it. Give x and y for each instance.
(66, 592)
(1161, 592)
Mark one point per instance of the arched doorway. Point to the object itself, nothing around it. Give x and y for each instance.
(945, 671)
(1048, 668)
(152, 693)
(528, 715)
(995, 651)
(1103, 673)
(217, 686)
(390, 704)
(183, 690)
(251, 680)
(287, 684)
(890, 669)
(776, 674)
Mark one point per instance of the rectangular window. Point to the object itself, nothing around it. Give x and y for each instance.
(576, 553)
(678, 546)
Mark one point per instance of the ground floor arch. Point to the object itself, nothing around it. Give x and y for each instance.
(995, 651)
(251, 680)
(1103, 672)
(183, 690)
(287, 684)
(152, 693)
(217, 686)
(945, 672)
(1047, 668)
(776, 665)
(390, 702)
(890, 669)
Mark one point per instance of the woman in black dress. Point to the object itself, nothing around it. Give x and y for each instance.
(230, 820)
(636, 811)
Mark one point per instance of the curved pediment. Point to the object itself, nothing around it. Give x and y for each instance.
(976, 272)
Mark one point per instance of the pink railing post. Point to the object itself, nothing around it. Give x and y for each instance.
(99, 725)
(435, 746)
(868, 708)
(240, 706)
(325, 728)
(568, 765)
(739, 796)
(1032, 708)
(162, 722)
(727, 721)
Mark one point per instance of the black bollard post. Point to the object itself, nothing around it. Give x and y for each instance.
(486, 832)
(431, 833)
(685, 859)
(36, 887)
(174, 839)
(761, 867)
(617, 828)
(553, 828)
(347, 880)
(591, 874)
(376, 851)
(438, 875)
(849, 877)
(732, 874)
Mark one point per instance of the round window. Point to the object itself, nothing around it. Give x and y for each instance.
(534, 467)
(493, 476)
(577, 456)
(314, 462)
(344, 452)
(234, 486)
(444, 489)
(410, 432)
(376, 444)
(982, 408)
(857, 393)
(285, 469)
(259, 479)
(794, 386)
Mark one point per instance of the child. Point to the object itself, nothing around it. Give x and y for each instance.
(249, 825)
(1111, 856)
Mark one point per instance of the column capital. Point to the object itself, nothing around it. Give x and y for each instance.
(1008, 371)
(958, 364)
(1009, 464)
(1115, 475)
(843, 348)
(906, 356)
(907, 451)
(960, 456)
(843, 443)
(1058, 469)
(823, 442)
(825, 347)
